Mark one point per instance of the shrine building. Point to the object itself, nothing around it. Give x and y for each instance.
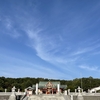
(48, 87)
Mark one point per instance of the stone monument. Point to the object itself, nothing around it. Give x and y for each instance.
(79, 97)
(13, 95)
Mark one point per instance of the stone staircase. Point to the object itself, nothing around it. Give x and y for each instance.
(4, 97)
(48, 97)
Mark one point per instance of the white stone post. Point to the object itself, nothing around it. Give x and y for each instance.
(79, 90)
(25, 93)
(75, 91)
(13, 95)
(58, 87)
(79, 96)
(65, 92)
(68, 91)
(36, 88)
(88, 90)
(5, 90)
(71, 97)
(18, 90)
(25, 90)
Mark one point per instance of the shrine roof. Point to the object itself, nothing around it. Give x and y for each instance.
(43, 84)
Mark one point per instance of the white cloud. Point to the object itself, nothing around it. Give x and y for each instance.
(9, 27)
(8, 24)
(23, 67)
(90, 68)
(81, 51)
(87, 49)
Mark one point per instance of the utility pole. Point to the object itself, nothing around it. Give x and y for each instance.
(81, 81)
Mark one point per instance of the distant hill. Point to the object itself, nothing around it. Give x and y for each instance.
(22, 83)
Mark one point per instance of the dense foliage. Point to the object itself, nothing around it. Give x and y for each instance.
(22, 83)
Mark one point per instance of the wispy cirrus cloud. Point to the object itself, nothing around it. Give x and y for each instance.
(46, 48)
(8, 26)
(81, 51)
(90, 68)
(60, 35)
(90, 46)
(30, 69)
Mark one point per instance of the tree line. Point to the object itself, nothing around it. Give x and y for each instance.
(22, 83)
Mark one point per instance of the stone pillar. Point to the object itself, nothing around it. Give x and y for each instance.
(79, 97)
(52, 91)
(75, 91)
(71, 97)
(13, 95)
(79, 90)
(58, 87)
(18, 90)
(68, 91)
(65, 92)
(13, 89)
(25, 93)
(5, 90)
(25, 90)
(36, 88)
(88, 90)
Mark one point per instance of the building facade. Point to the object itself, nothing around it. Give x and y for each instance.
(49, 87)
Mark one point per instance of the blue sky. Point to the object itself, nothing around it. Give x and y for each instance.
(55, 39)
